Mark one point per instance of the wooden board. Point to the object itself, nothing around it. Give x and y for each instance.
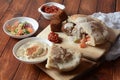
(88, 53)
(93, 53)
(84, 66)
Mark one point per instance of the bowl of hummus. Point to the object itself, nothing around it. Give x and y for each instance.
(32, 50)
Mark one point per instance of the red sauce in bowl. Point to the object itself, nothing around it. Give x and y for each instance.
(50, 9)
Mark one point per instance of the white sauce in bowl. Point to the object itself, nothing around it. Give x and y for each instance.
(22, 51)
(32, 50)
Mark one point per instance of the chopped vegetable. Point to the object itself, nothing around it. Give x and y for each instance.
(83, 45)
(30, 30)
(20, 28)
(54, 37)
(50, 9)
(83, 41)
(88, 38)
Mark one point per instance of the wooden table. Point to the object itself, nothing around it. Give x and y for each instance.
(12, 69)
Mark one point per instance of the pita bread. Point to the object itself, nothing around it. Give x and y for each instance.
(63, 59)
(94, 28)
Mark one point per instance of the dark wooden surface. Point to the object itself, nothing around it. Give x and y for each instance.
(12, 69)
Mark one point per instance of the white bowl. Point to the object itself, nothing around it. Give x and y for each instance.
(35, 60)
(49, 15)
(32, 21)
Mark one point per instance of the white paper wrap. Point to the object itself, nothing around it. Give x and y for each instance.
(112, 20)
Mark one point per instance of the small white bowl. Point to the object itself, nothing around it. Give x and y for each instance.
(35, 60)
(49, 15)
(32, 21)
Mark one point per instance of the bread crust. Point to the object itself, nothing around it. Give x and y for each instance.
(63, 59)
(87, 23)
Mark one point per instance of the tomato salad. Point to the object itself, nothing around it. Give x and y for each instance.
(20, 28)
(50, 9)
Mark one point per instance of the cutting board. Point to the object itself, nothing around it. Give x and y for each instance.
(90, 55)
(90, 52)
(85, 66)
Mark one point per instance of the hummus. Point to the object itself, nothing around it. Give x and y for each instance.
(32, 50)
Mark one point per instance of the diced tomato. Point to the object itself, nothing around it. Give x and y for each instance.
(83, 45)
(20, 32)
(30, 29)
(88, 39)
(83, 40)
(50, 9)
(54, 37)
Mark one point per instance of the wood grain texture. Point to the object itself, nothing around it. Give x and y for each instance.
(72, 7)
(88, 7)
(106, 6)
(93, 53)
(34, 10)
(116, 70)
(83, 67)
(58, 1)
(117, 5)
(43, 23)
(56, 75)
(13, 10)
(44, 76)
(101, 73)
(12, 69)
(4, 4)
(27, 72)
(106, 70)
(8, 63)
